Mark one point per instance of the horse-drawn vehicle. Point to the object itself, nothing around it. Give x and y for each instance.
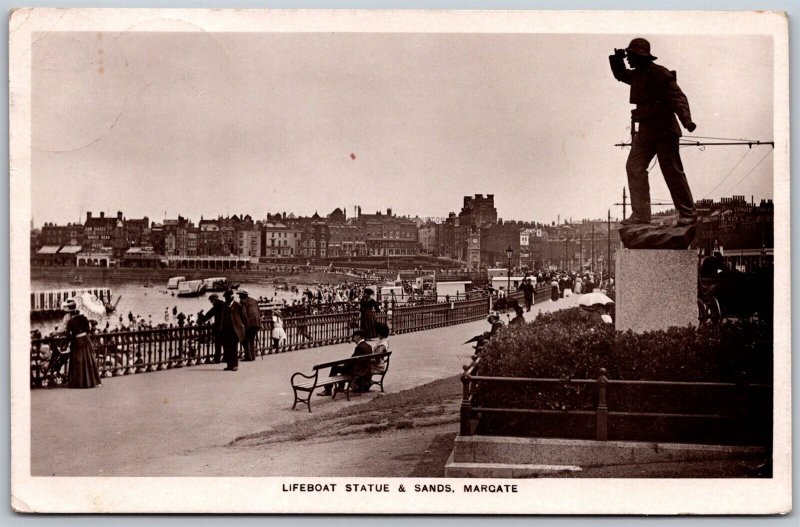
(724, 293)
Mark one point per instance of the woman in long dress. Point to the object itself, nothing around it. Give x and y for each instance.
(555, 292)
(368, 307)
(83, 372)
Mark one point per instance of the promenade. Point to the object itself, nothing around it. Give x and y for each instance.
(143, 425)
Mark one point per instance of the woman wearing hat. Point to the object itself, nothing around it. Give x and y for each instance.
(368, 307)
(83, 371)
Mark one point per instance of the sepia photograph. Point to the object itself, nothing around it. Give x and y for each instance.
(400, 261)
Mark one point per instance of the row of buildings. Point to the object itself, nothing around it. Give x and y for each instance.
(475, 236)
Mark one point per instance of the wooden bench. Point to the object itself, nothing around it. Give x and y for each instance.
(307, 384)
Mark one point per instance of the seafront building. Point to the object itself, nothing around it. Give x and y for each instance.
(475, 236)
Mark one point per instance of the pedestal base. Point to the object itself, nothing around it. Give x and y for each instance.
(656, 289)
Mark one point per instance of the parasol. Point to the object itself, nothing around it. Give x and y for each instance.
(590, 299)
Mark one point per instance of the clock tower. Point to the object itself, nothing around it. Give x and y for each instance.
(474, 249)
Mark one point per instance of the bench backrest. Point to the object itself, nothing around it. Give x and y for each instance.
(353, 359)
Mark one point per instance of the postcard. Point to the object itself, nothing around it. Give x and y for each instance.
(401, 262)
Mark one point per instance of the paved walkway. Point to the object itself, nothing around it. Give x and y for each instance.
(138, 419)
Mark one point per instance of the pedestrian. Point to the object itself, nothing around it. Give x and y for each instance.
(527, 293)
(231, 330)
(658, 99)
(215, 315)
(278, 334)
(367, 308)
(83, 372)
(181, 319)
(519, 318)
(252, 319)
(554, 290)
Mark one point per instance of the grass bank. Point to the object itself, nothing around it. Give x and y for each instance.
(429, 405)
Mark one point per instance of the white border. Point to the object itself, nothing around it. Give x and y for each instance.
(542, 496)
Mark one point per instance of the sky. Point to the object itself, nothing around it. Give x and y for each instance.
(203, 124)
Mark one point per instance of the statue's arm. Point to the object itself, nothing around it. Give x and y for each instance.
(678, 103)
(621, 73)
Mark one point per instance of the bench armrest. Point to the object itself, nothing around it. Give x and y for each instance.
(316, 373)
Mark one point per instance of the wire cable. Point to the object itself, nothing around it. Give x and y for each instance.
(750, 171)
(728, 174)
(718, 138)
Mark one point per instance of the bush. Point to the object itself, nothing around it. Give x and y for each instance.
(564, 344)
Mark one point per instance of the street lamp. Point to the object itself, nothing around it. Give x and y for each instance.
(509, 254)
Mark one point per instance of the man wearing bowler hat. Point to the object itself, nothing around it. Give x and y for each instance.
(658, 99)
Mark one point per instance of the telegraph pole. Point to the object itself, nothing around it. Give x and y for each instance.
(625, 204)
(609, 242)
(580, 263)
(592, 247)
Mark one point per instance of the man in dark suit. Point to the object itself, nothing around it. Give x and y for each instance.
(527, 291)
(231, 330)
(214, 313)
(252, 321)
(359, 369)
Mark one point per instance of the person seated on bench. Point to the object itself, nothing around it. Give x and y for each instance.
(359, 370)
(382, 345)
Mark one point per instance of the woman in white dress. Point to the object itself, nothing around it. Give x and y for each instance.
(278, 333)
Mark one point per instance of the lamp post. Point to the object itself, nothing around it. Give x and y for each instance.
(509, 254)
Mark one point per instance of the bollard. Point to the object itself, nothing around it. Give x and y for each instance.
(466, 405)
(602, 408)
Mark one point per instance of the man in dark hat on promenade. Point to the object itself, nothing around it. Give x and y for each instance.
(252, 323)
(214, 313)
(231, 330)
(658, 99)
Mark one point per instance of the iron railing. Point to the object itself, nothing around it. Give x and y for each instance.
(131, 352)
(472, 408)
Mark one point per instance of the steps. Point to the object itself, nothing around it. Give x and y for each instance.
(515, 457)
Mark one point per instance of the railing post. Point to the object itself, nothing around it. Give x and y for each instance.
(602, 408)
(466, 405)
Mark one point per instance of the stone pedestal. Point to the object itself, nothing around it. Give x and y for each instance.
(656, 289)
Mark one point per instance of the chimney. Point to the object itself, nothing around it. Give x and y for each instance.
(119, 215)
(389, 212)
(102, 214)
(88, 215)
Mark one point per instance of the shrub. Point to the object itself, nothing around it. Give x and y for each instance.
(566, 345)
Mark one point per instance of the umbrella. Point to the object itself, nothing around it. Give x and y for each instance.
(590, 299)
(476, 338)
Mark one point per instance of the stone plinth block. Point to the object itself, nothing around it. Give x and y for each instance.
(656, 289)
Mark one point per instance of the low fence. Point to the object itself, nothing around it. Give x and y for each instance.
(131, 352)
(124, 353)
(743, 410)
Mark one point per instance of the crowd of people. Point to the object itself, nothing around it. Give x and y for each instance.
(235, 322)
